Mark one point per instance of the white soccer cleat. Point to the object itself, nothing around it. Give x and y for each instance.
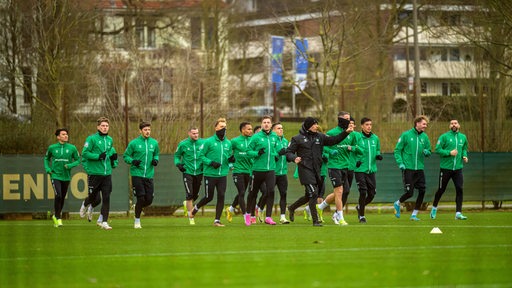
(89, 212)
(335, 218)
(82, 210)
(105, 226)
(137, 225)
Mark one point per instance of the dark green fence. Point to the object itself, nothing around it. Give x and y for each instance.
(26, 188)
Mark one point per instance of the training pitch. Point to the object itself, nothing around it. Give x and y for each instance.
(168, 252)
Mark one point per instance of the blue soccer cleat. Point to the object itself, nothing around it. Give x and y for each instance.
(397, 209)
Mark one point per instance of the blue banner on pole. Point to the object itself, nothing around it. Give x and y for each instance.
(301, 65)
(301, 58)
(277, 60)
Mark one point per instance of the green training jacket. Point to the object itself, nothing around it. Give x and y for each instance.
(446, 143)
(94, 145)
(281, 164)
(146, 150)
(219, 151)
(188, 153)
(59, 160)
(266, 161)
(339, 154)
(409, 149)
(368, 147)
(244, 162)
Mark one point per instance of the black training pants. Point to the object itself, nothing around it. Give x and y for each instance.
(458, 179)
(97, 184)
(210, 184)
(61, 189)
(143, 190)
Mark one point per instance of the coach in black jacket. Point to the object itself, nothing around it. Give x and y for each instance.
(305, 150)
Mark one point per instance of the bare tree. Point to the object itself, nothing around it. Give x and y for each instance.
(349, 67)
(63, 55)
(15, 54)
(486, 26)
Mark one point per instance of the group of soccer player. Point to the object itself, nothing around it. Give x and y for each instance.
(259, 162)
(99, 157)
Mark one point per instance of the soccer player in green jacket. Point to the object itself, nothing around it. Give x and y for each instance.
(142, 154)
(281, 170)
(187, 159)
(452, 146)
(60, 158)
(241, 171)
(368, 152)
(338, 165)
(99, 157)
(263, 149)
(410, 152)
(216, 156)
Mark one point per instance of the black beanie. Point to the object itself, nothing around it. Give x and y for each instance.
(310, 121)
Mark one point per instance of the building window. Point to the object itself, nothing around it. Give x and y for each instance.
(399, 53)
(27, 83)
(439, 54)
(195, 32)
(423, 53)
(246, 66)
(424, 89)
(145, 34)
(444, 89)
(454, 54)
(404, 17)
(211, 31)
(444, 55)
(450, 19)
(400, 88)
(451, 89)
(120, 40)
(454, 89)
(252, 5)
(150, 35)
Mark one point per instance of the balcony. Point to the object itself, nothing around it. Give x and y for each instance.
(439, 70)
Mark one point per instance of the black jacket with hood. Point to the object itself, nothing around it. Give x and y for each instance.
(309, 146)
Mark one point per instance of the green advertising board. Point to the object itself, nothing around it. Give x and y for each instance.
(26, 188)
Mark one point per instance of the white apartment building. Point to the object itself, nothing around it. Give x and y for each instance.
(448, 63)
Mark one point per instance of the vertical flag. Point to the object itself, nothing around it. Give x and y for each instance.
(277, 43)
(301, 65)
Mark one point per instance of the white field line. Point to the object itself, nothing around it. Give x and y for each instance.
(237, 253)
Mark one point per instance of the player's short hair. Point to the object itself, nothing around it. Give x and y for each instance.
(144, 124)
(57, 132)
(420, 118)
(266, 117)
(219, 121)
(101, 120)
(275, 124)
(364, 120)
(243, 124)
(342, 113)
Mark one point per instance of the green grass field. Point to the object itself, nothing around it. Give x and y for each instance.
(167, 252)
